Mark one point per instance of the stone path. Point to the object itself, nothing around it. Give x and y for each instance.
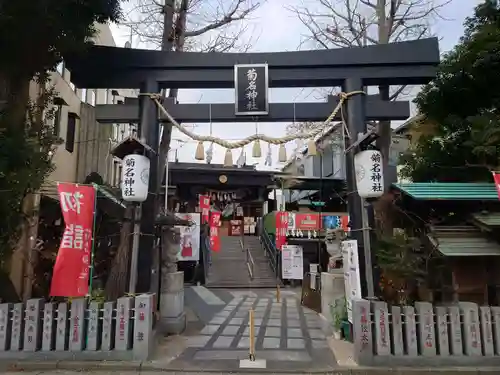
(288, 336)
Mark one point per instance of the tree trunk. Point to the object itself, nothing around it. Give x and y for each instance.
(116, 285)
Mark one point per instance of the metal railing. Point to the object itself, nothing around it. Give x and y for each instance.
(250, 263)
(273, 255)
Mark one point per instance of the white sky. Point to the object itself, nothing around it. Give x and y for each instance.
(274, 28)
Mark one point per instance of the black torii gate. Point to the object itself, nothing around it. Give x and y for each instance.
(353, 69)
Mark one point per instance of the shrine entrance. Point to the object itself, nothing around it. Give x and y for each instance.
(351, 69)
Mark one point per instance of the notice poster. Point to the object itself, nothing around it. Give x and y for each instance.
(189, 247)
(352, 280)
(292, 262)
(70, 277)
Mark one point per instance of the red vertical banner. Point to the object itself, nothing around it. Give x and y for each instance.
(70, 277)
(204, 208)
(214, 231)
(281, 228)
(496, 178)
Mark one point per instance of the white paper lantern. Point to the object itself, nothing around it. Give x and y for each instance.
(369, 174)
(135, 178)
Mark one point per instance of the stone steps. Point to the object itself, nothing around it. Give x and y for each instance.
(229, 269)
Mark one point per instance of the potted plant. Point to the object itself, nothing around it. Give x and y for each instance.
(338, 311)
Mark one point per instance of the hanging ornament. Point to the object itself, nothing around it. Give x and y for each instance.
(269, 157)
(293, 232)
(210, 153)
(311, 148)
(241, 159)
(315, 234)
(228, 158)
(282, 154)
(234, 195)
(256, 150)
(309, 234)
(301, 234)
(200, 151)
(214, 197)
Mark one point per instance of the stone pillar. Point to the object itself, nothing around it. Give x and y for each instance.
(382, 339)
(16, 338)
(495, 312)
(411, 348)
(62, 336)
(94, 325)
(486, 330)
(456, 344)
(472, 335)
(362, 331)
(122, 337)
(427, 333)
(77, 325)
(172, 315)
(332, 292)
(397, 331)
(5, 326)
(143, 326)
(442, 331)
(108, 333)
(48, 337)
(32, 331)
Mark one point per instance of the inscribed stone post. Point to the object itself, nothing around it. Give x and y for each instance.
(382, 338)
(122, 338)
(426, 334)
(32, 331)
(143, 326)
(456, 343)
(486, 330)
(472, 335)
(495, 312)
(443, 341)
(93, 328)
(362, 329)
(397, 331)
(77, 325)
(48, 337)
(16, 338)
(5, 326)
(108, 332)
(62, 336)
(411, 347)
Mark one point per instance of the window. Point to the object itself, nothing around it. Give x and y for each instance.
(70, 132)
(60, 68)
(57, 120)
(91, 99)
(84, 95)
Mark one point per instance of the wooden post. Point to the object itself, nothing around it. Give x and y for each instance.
(252, 335)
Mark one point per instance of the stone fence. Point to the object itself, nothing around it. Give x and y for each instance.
(463, 334)
(121, 330)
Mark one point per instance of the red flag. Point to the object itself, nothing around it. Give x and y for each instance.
(281, 228)
(70, 277)
(204, 208)
(496, 178)
(214, 231)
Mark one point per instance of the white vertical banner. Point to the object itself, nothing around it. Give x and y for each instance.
(189, 247)
(352, 280)
(292, 262)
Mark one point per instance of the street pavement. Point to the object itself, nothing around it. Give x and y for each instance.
(287, 335)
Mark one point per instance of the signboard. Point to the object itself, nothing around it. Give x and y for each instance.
(70, 277)
(292, 262)
(135, 178)
(189, 247)
(352, 279)
(251, 85)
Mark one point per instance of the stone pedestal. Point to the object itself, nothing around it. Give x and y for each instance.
(172, 316)
(332, 292)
